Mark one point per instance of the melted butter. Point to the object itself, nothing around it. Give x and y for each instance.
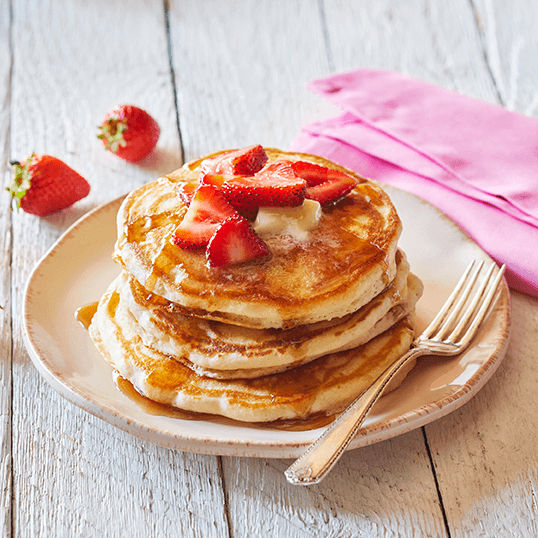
(293, 221)
(84, 314)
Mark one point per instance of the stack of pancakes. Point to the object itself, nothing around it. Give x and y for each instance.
(296, 335)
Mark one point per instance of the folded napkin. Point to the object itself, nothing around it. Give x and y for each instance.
(476, 162)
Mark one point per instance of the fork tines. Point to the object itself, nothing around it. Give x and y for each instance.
(467, 305)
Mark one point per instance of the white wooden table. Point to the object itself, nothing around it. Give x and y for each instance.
(223, 74)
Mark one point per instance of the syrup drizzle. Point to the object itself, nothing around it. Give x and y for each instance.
(84, 314)
(285, 386)
(151, 406)
(156, 408)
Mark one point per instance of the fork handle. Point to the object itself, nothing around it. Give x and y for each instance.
(322, 455)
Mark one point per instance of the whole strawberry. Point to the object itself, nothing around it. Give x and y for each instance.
(44, 184)
(129, 132)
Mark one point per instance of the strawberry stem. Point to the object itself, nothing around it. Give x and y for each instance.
(111, 132)
(22, 180)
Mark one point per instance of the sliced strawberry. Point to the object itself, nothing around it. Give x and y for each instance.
(186, 191)
(216, 180)
(330, 192)
(313, 174)
(244, 162)
(206, 211)
(244, 208)
(234, 241)
(324, 185)
(276, 185)
(247, 210)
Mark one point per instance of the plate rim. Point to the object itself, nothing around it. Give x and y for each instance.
(219, 445)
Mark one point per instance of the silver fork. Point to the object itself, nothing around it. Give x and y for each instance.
(448, 334)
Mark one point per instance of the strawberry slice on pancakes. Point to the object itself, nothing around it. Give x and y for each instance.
(276, 185)
(210, 221)
(207, 210)
(186, 191)
(241, 162)
(324, 185)
(230, 190)
(233, 242)
(243, 206)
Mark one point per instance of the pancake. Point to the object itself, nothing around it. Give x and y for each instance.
(347, 260)
(297, 334)
(220, 350)
(325, 385)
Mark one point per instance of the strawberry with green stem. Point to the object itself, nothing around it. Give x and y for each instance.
(129, 132)
(45, 184)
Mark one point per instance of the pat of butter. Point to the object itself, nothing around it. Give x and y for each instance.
(293, 221)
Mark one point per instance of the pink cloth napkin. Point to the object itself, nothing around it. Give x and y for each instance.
(476, 162)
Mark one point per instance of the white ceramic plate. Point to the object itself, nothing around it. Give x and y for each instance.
(78, 269)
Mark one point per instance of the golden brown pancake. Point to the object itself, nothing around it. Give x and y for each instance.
(326, 385)
(220, 350)
(299, 334)
(348, 259)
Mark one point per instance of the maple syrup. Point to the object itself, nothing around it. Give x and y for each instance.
(299, 424)
(151, 406)
(84, 314)
(156, 408)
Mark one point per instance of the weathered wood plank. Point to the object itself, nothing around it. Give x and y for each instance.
(73, 474)
(5, 283)
(372, 492)
(241, 69)
(485, 453)
(433, 41)
(508, 37)
(494, 491)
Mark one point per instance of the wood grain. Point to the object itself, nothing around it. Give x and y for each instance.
(372, 492)
(5, 284)
(241, 73)
(493, 490)
(509, 43)
(434, 41)
(73, 474)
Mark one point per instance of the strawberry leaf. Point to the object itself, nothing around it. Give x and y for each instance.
(111, 132)
(21, 182)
